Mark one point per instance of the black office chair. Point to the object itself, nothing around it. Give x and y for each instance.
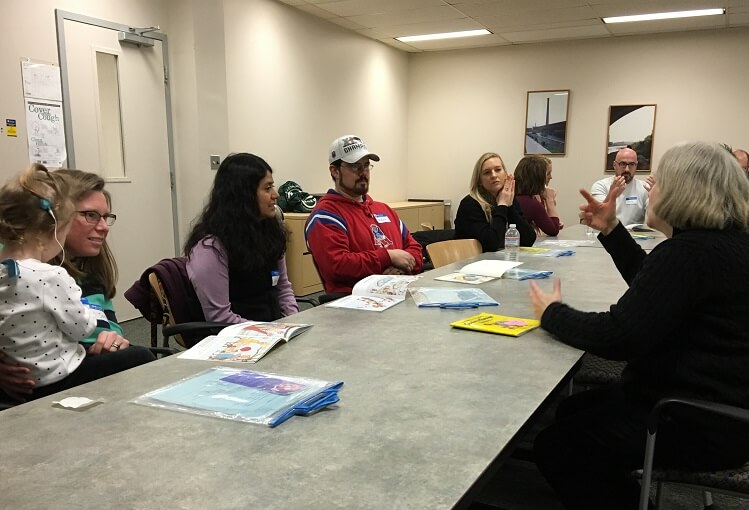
(731, 481)
(427, 237)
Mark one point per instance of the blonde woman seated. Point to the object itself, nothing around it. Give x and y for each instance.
(535, 198)
(490, 207)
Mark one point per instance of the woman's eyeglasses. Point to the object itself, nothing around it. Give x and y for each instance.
(94, 217)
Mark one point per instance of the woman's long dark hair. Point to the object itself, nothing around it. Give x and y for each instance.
(233, 217)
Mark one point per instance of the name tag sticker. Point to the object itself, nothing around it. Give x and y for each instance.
(630, 200)
(274, 276)
(382, 218)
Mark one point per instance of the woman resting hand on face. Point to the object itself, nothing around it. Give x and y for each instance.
(491, 207)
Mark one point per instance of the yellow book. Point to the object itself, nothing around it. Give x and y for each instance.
(498, 324)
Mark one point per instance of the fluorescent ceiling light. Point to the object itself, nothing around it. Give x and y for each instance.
(446, 35)
(664, 15)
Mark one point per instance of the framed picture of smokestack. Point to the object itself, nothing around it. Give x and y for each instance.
(631, 127)
(546, 122)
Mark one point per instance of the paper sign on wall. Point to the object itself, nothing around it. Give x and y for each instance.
(45, 132)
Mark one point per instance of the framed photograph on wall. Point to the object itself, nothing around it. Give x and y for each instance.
(546, 122)
(631, 126)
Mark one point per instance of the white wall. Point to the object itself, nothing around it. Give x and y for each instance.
(28, 30)
(246, 75)
(260, 76)
(464, 103)
(296, 82)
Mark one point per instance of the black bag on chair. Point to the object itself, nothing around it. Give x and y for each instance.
(291, 198)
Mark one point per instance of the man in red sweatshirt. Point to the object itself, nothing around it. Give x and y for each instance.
(349, 235)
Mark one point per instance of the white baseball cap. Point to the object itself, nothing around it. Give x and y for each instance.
(350, 149)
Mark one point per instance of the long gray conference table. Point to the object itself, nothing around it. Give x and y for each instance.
(426, 414)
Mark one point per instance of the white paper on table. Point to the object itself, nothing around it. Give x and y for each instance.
(495, 268)
(76, 402)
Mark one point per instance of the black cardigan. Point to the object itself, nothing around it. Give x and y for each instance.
(470, 223)
(683, 324)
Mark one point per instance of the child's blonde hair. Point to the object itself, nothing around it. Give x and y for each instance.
(26, 202)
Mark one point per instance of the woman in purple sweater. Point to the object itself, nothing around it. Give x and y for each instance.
(236, 248)
(535, 198)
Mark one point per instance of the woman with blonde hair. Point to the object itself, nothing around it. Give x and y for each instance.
(490, 207)
(682, 326)
(42, 315)
(89, 260)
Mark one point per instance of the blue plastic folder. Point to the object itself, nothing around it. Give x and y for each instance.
(517, 273)
(245, 395)
(449, 297)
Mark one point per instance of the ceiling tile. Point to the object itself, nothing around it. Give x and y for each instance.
(510, 20)
(644, 7)
(407, 17)
(502, 8)
(432, 27)
(556, 34)
(670, 25)
(348, 8)
(466, 42)
(346, 23)
(521, 21)
(313, 9)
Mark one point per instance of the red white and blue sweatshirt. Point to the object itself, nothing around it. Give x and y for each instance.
(349, 240)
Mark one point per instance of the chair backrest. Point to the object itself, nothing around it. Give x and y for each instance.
(447, 252)
(165, 295)
(427, 237)
(163, 302)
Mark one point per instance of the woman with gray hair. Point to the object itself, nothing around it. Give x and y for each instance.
(682, 326)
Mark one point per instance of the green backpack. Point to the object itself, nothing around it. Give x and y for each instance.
(291, 198)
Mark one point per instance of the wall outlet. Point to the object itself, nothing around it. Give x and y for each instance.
(215, 162)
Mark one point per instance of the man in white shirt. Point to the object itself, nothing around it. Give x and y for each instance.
(633, 201)
(743, 158)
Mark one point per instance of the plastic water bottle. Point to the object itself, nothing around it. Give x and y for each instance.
(512, 243)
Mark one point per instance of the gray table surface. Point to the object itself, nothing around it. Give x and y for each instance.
(425, 411)
(588, 238)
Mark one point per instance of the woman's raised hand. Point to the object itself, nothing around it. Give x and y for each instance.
(507, 194)
(602, 215)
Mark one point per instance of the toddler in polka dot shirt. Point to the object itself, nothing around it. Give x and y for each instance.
(42, 317)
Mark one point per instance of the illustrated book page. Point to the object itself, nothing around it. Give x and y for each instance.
(473, 279)
(246, 342)
(376, 293)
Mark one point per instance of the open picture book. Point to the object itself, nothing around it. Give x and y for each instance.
(376, 293)
(472, 279)
(497, 324)
(245, 343)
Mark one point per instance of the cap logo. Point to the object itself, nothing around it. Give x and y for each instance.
(352, 143)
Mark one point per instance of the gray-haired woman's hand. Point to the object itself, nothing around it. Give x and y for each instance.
(602, 215)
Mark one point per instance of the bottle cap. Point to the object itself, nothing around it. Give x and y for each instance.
(512, 225)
